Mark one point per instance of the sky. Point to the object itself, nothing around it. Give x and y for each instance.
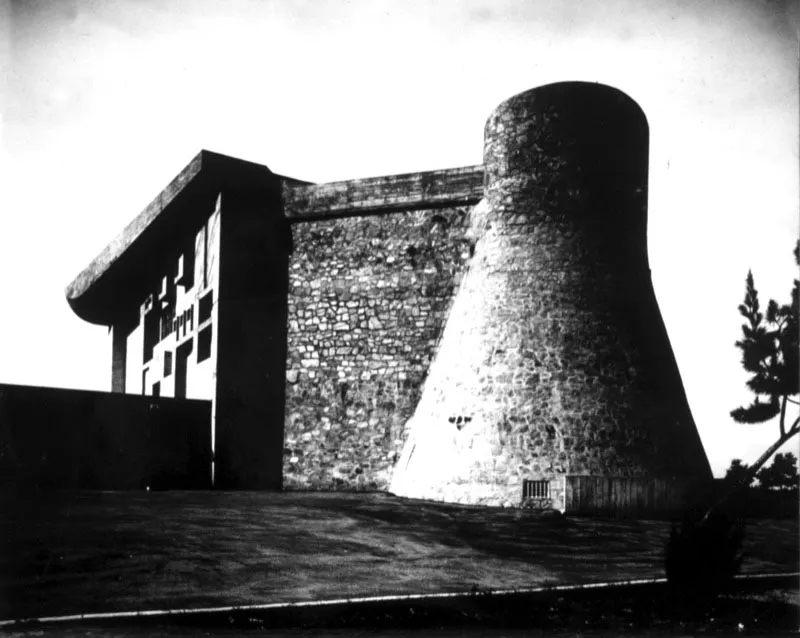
(103, 103)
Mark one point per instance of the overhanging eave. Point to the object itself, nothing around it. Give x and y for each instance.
(95, 295)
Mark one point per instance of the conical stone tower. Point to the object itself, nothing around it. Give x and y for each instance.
(554, 360)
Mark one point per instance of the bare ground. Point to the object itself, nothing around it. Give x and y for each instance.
(87, 552)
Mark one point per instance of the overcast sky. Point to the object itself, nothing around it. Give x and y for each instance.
(104, 102)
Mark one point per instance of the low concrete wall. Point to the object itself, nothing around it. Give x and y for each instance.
(618, 494)
(57, 438)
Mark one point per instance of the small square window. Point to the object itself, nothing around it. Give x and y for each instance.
(184, 271)
(206, 304)
(152, 334)
(204, 344)
(180, 270)
(163, 293)
(167, 364)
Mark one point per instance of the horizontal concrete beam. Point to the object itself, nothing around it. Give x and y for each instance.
(449, 187)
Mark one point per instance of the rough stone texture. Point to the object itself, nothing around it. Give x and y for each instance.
(554, 359)
(450, 187)
(367, 299)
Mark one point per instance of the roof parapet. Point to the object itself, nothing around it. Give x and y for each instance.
(390, 193)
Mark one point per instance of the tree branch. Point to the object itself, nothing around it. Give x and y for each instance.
(782, 423)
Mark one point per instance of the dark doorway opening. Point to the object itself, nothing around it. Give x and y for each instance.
(181, 367)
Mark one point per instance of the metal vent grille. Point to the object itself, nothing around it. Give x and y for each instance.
(535, 489)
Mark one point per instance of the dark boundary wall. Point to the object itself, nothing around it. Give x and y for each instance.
(57, 438)
(757, 502)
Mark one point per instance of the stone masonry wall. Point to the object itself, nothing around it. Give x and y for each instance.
(368, 297)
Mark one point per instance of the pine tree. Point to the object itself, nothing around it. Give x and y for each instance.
(708, 553)
(771, 354)
(737, 474)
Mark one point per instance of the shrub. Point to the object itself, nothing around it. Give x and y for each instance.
(702, 558)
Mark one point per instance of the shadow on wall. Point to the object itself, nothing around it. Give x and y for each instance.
(74, 439)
